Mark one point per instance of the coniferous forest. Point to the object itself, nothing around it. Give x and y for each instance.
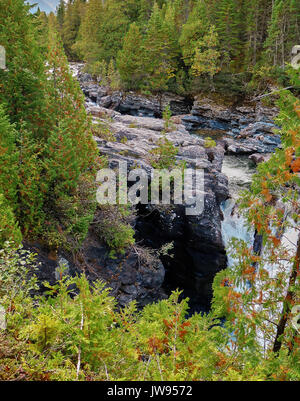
(144, 292)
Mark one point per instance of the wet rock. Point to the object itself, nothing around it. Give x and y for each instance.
(259, 158)
(261, 127)
(104, 101)
(101, 112)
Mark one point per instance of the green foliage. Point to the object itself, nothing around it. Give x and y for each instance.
(9, 229)
(102, 130)
(172, 45)
(206, 58)
(69, 20)
(164, 155)
(194, 30)
(161, 51)
(283, 31)
(167, 114)
(22, 82)
(130, 58)
(209, 142)
(82, 336)
(9, 158)
(48, 158)
(115, 229)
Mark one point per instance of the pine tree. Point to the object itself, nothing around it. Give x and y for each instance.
(230, 28)
(9, 160)
(195, 28)
(207, 56)
(130, 58)
(70, 154)
(159, 51)
(70, 28)
(283, 31)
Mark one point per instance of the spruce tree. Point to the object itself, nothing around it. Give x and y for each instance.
(130, 58)
(70, 27)
(193, 30)
(159, 51)
(70, 154)
(283, 31)
(230, 29)
(206, 59)
(9, 160)
(60, 14)
(22, 83)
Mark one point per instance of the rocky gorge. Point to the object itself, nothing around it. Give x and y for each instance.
(197, 252)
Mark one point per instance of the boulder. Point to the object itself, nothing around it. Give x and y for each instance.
(259, 158)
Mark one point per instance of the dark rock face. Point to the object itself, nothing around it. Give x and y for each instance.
(130, 277)
(246, 130)
(137, 105)
(130, 102)
(198, 251)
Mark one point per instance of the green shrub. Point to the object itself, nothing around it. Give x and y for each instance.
(167, 114)
(9, 229)
(209, 143)
(114, 228)
(164, 156)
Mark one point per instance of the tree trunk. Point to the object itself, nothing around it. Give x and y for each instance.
(286, 308)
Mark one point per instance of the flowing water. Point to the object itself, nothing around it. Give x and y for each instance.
(239, 171)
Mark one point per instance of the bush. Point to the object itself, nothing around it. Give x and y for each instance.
(9, 229)
(113, 226)
(209, 143)
(164, 156)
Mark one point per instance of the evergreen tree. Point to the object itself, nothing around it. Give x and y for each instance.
(60, 14)
(86, 44)
(22, 83)
(160, 51)
(283, 31)
(207, 56)
(230, 28)
(9, 160)
(130, 58)
(9, 229)
(70, 154)
(257, 15)
(193, 31)
(70, 27)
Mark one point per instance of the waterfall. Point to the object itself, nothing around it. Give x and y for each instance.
(239, 171)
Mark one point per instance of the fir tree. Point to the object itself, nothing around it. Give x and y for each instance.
(195, 28)
(159, 51)
(230, 29)
(9, 160)
(70, 27)
(70, 154)
(207, 56)
(130, 58)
